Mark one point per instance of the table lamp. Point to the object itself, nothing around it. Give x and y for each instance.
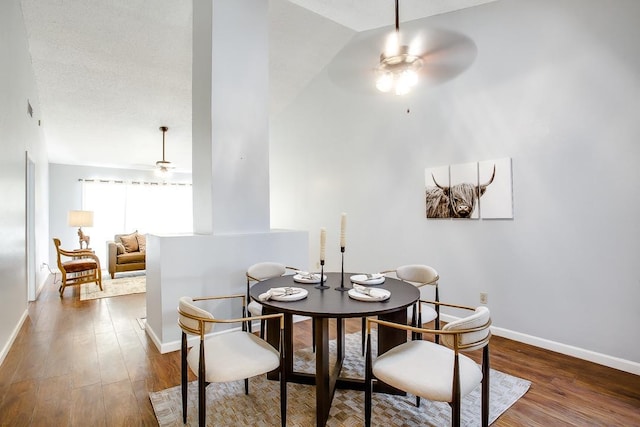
(81, 219)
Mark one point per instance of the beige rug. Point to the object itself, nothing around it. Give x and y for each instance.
(131, 284)
(227, 405)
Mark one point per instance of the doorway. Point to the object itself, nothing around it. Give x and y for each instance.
(30, 237)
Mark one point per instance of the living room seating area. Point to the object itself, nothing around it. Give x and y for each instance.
(127, 252)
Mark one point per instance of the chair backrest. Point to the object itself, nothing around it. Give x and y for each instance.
(418, 274)
(56, 242)
(480, 321)
(265, 270)
(190, 325)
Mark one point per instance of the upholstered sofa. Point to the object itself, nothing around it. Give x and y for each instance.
(127, 253)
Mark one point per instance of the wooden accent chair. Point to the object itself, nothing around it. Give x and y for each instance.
(228, 356)
(437, 372)
(83, 267)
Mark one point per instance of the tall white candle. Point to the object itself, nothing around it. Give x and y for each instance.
(343, 229)
(323, 242)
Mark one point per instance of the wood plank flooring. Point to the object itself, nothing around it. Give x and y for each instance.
(88, 363)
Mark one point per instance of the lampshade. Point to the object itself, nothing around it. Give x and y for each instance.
(80, 218)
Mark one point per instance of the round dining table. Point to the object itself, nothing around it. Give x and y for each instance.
(331, 303)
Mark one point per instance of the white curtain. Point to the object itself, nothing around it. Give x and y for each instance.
(124, 207)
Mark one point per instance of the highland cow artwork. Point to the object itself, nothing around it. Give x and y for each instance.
(457, 191)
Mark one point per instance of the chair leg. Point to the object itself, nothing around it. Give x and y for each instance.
(184, 376)
(262, 326)
(414, 319)
(99, 279)
(485, 385)
(246, 386)
(437, 322)
(455, 404)
(364, 333)
(368, 379)
(202, 397)
(283, 383)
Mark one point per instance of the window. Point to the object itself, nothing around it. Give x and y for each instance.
(124, 207)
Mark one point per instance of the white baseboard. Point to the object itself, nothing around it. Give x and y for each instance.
(580, 353)
(13, 336)
(161, 347)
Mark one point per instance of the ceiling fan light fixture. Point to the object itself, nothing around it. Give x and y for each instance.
(398, 68)
(398, 72)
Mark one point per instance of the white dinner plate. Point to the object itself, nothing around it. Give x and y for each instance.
(383, 295)
(361, 279)
(305, 279)
(301, 294)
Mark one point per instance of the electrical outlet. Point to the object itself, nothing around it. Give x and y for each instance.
(484, 297)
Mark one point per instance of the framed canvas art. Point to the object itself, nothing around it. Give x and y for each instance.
(470, 190)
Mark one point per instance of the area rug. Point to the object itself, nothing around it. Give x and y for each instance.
(227, 405)
(133, 284)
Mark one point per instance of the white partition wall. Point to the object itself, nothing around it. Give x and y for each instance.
(199, 265)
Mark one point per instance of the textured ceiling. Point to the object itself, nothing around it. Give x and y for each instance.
(110, 73)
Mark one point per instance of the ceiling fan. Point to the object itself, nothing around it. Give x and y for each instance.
(163, 167)
(415, 56)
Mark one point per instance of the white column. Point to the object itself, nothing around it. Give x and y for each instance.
(230, 116)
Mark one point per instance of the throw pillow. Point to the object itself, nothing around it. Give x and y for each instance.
(130, 242)
(120, 248)
(142, 242)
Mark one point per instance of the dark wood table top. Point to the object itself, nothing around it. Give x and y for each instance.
(336, 304)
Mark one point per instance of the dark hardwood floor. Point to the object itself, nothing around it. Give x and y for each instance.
(89, 363)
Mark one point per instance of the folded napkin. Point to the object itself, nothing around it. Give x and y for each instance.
(372, 276)
(308, 276)
(374, 293)
(277, 292)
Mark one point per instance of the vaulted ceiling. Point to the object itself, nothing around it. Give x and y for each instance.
(110, 73)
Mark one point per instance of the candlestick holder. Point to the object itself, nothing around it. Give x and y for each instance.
(342, 288)
(321, 285)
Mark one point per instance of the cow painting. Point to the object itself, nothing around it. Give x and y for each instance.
(456, 201)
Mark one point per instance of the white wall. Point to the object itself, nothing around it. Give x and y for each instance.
(20, 133)
(555, 87)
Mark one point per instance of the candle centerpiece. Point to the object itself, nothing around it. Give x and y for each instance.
(343, 239)
(323, 244)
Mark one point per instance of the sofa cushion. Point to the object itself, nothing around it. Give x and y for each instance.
(130, 242)
(131, 257)
(120, 248)
(142, 242)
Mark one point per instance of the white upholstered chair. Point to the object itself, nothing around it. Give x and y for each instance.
(419, 275)
(438, 372)
(231, 356)
(422, 275)
(257, 273)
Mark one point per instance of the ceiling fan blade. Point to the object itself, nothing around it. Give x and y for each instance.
(445, 55)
